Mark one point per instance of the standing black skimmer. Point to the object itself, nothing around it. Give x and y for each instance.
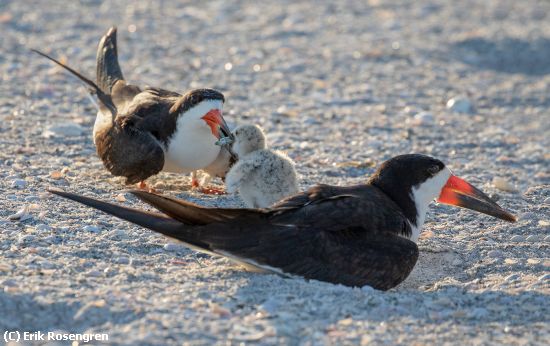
(261, 176)
(356, 235)
(140, 132)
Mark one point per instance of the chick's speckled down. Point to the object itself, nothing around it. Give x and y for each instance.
(261, 176)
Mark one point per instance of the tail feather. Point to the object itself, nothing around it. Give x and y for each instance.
(155, 221)
(190, 213)
(94, 89)
(108, 71)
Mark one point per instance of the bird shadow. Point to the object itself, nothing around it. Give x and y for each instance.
(330, 308)
(432, 266)
(323, 306)
(508, 54)
(30, 312)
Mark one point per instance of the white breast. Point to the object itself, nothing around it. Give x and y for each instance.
(192, 146)
(102, 121)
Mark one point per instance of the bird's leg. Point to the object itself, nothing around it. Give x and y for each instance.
(194, 181)
(195, 184)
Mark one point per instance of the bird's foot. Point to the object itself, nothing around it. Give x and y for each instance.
(211, 191)
(206, 190)
(142, 185)
(195, 183)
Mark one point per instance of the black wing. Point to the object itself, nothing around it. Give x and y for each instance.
(149, 111)
(351, 255)
(335, 207)
(322, 240)
(129, 152)
(133, 147)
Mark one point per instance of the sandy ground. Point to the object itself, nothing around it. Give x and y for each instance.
(341, 87)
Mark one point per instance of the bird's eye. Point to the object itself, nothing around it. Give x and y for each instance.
(433, 169)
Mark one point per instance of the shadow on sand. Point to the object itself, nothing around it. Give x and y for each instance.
(509, 55)
(30, 313)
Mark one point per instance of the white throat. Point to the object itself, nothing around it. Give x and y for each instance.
(423, 194)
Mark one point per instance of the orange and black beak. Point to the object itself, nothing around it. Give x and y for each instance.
(462, 194)
(217, 124)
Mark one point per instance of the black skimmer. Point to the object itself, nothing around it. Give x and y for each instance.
(355, 235)
(261, 176)
(140, 132)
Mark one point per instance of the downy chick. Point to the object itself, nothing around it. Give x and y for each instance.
(261, 176)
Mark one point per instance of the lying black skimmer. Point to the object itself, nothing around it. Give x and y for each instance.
(356, 235)
(140, 132)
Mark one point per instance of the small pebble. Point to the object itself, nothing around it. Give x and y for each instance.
(18, 184)
(43, 228)
(460, 104)
(159, 185)
(122, 260)
(110, 271)
(21, 215)
(219, 310)
(495, 254)
(172, 247)
(120, 233)
(47, 265)
(517, 239)
(528, 216)
(504, 185)
(32, 198)
(423, 119)
(94, 273)
(272, 304)
(512, 278)
(26, 238)
(5, 267)
(346, 322)
(56, 175)
(91, 228)
(120, 197)
(478, 312)
(63, 130)
(532, 239)
(11, 197)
